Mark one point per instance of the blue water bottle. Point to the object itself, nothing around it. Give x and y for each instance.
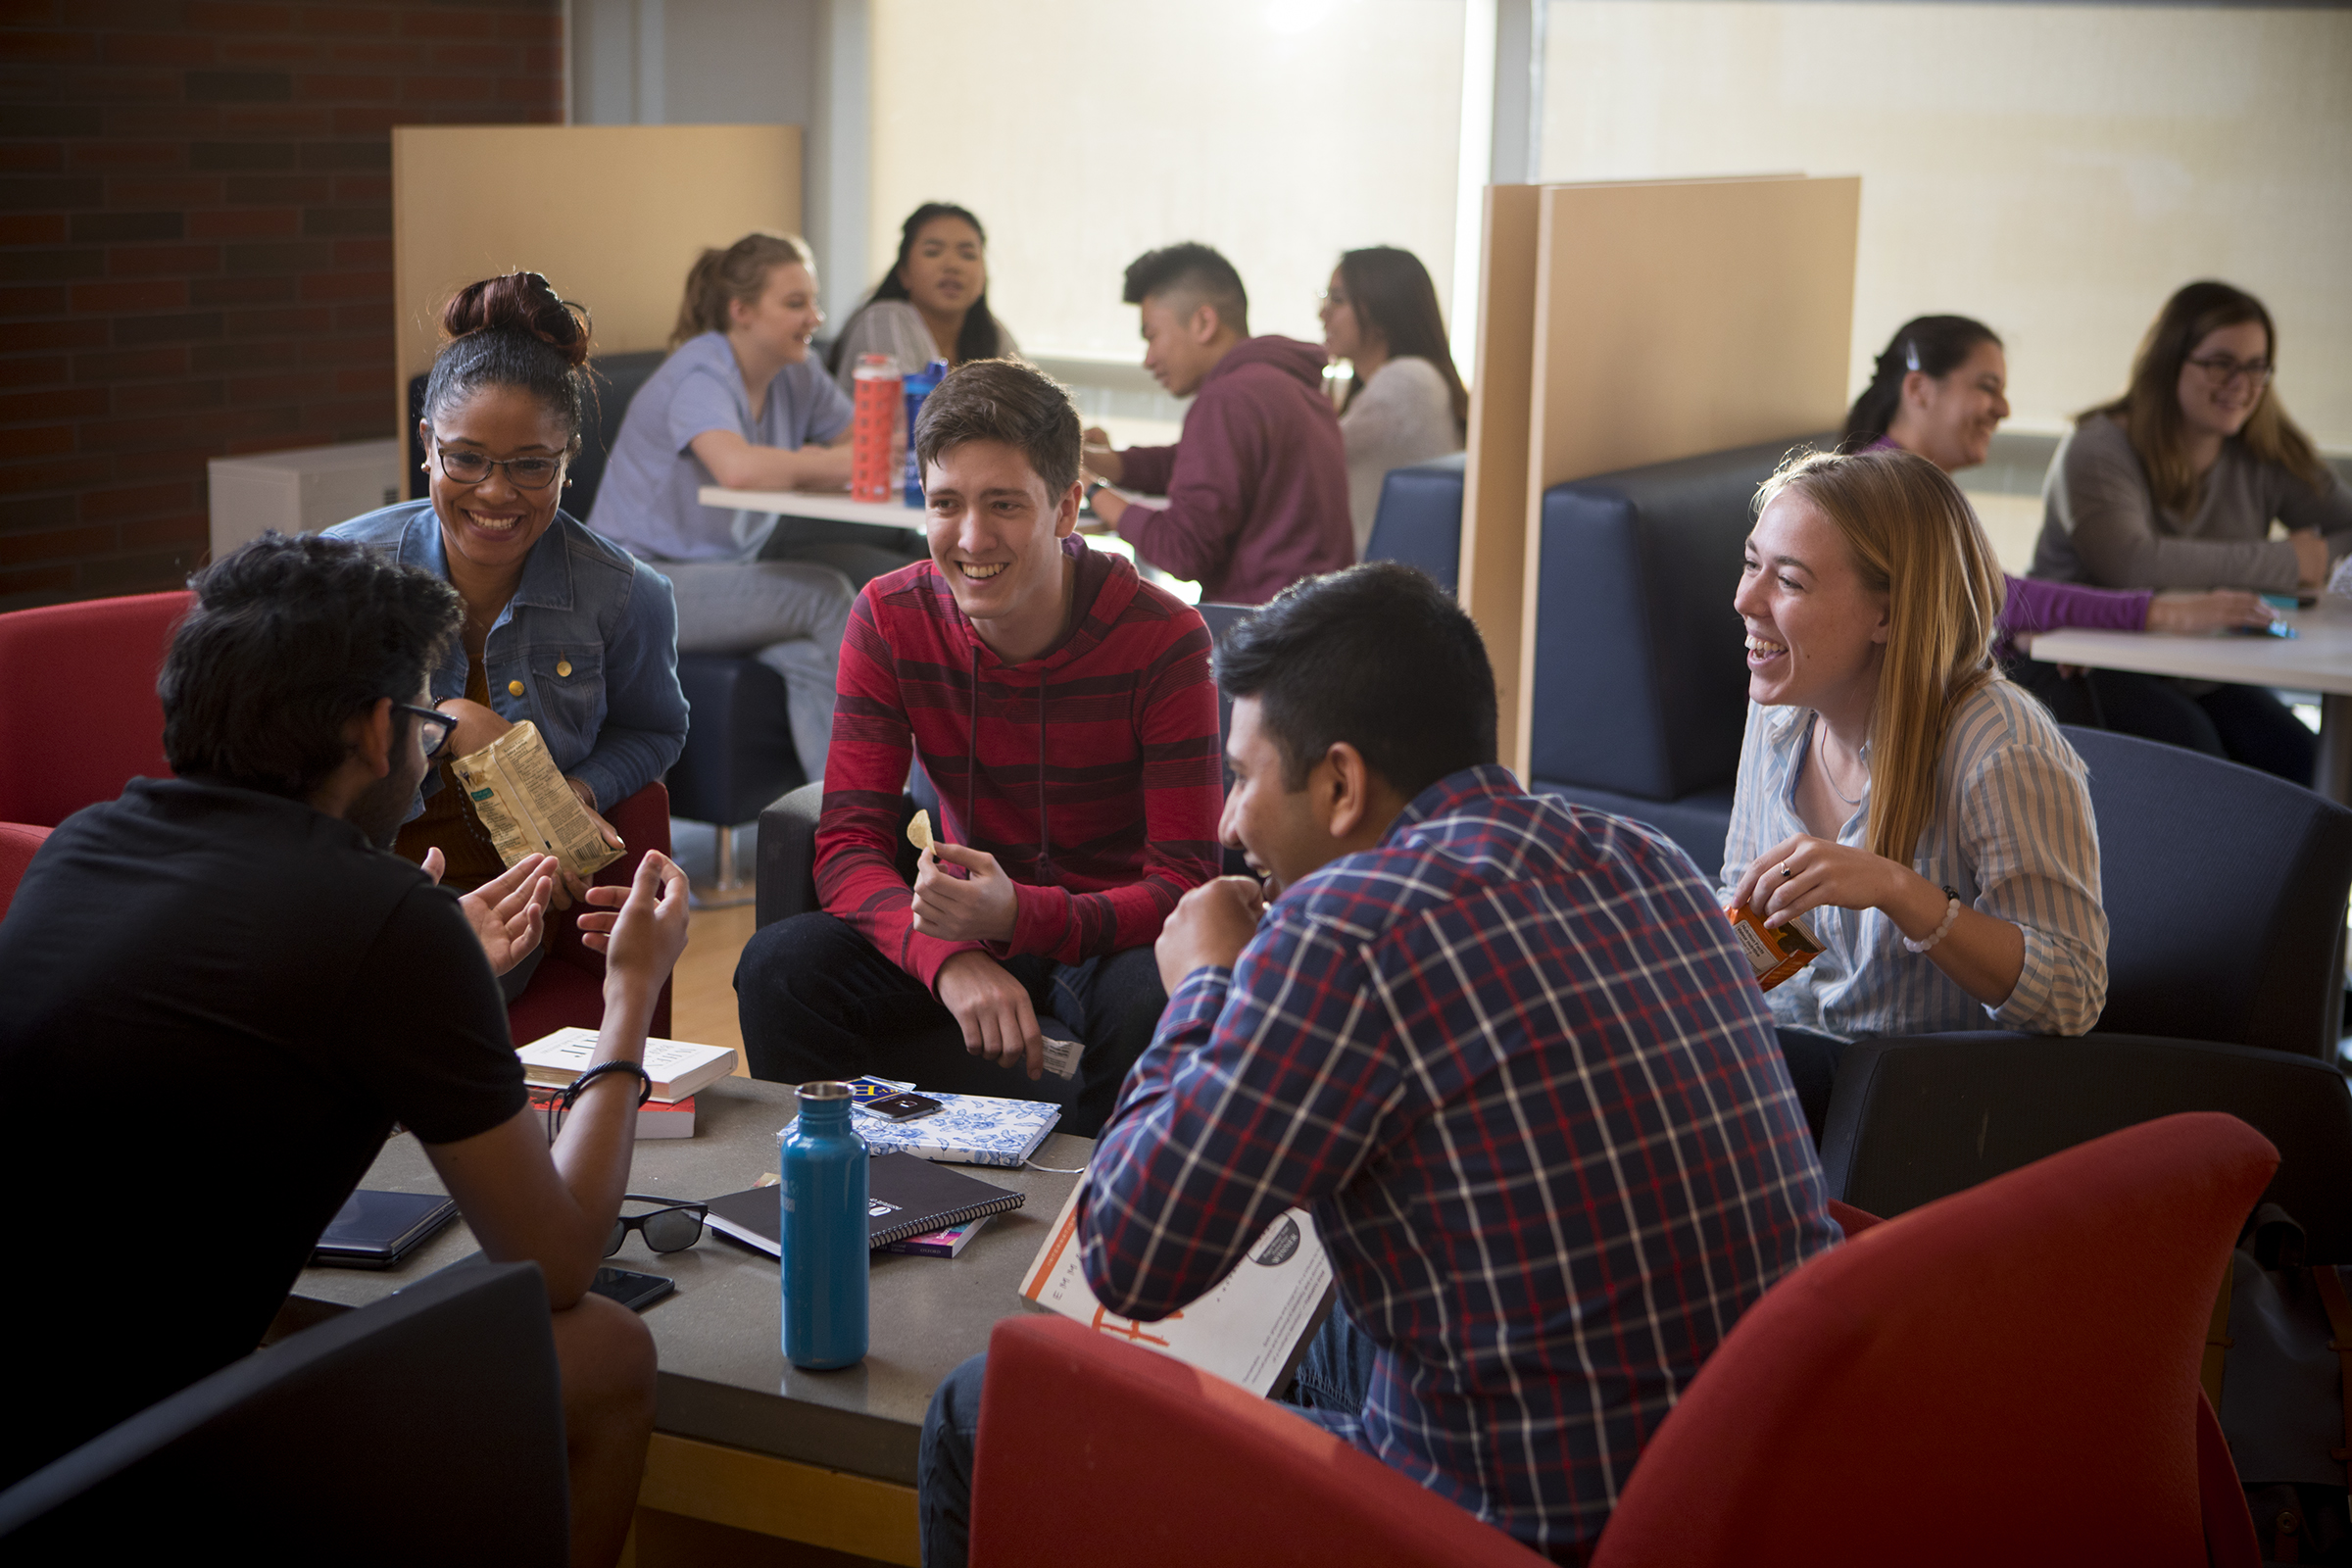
(918, 387)
(823, 1162)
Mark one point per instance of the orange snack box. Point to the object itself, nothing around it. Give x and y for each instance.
(1776, 955)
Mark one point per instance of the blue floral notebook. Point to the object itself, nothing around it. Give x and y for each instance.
(968, 1128)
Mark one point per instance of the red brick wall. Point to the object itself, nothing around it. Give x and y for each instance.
(195, 248)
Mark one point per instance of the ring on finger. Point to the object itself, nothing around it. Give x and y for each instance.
(1787, 869)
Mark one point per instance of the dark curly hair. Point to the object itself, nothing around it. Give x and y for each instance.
(287, 640)
(514, 331)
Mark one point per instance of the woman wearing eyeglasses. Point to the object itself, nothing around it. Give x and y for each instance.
(2175, 485)
(1940, 389)
(562, 627)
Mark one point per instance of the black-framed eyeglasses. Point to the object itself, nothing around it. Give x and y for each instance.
(2222, 369)
(671, 1228)
(433, 727)
(523, 473)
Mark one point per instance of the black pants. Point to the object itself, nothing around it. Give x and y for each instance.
(1812, 1063)
(818, 1000)
(2241, 724)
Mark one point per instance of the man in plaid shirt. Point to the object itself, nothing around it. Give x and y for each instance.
(1504, 1048)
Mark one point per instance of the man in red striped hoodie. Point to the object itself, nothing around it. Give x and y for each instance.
(1065, 710)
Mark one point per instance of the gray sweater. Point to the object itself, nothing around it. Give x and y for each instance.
(2100, 523)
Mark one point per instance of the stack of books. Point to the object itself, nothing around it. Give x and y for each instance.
(550, 1062)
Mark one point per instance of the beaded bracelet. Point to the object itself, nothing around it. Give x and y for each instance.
(1951, 914)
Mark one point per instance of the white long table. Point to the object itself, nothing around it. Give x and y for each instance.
(2318, 659)
(832, 506)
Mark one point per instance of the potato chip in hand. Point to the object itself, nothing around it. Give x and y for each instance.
(919, 831)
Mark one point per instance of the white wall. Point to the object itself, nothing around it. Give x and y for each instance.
(1281, 131)
(744, 62)
(2053, 170)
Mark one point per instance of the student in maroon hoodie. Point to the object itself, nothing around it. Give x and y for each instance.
(1257, 484)
(1065, 710)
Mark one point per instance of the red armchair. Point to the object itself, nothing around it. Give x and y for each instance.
(1095, 1450)
(2005, 1375)
(18, 846)
(79, 714)
(569, 988)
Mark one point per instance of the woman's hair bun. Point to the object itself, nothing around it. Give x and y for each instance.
(521, 302)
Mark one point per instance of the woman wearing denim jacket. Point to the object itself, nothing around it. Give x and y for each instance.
(562, 627)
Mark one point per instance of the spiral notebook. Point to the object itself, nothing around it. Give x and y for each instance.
(905, 1197)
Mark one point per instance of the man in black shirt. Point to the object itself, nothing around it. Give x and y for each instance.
(225, 993)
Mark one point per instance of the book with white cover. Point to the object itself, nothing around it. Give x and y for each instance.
(676, 1067)
(1251, 1328)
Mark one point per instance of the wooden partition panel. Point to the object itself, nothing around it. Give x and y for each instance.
(1494, 487)
(1674, 319)
(612, 215)
(1668, 319)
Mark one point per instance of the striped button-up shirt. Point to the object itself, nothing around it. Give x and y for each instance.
(1513, 1064)
(2012, 833)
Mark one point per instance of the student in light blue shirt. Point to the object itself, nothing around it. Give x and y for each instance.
(739, 402)
(1922, 813)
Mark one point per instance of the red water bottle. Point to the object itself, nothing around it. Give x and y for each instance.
(873, 429)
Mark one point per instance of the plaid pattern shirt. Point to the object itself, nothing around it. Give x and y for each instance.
(1514, 1065)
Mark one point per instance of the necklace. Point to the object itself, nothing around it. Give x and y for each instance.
(1821, 744)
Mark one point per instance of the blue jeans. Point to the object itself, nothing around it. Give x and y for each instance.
(1335, 1377)
(942, 1466)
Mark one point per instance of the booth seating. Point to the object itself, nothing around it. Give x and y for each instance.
(1419, 519)
(427, 1427)
(79, 714)
(738, 757)
(1932, 1394)
(1639, 689)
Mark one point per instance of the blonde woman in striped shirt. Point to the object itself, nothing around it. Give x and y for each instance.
(1920, 812)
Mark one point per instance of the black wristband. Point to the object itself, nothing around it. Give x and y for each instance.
(645, 1081)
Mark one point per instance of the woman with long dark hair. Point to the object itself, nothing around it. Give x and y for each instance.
(933, 302)
(1405, 402)
(2175, 485)
(1940, 389)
